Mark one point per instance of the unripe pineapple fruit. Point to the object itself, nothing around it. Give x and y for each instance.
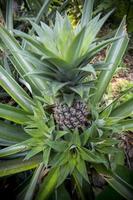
(74, 116)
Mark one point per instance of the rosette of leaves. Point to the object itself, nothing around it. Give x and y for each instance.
(54, 69)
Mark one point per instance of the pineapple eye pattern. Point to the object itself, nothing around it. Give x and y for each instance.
(74, 116)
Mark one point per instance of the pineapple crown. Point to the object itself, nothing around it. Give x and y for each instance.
(63, 47)
(61, 53)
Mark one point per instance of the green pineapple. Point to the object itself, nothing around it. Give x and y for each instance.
(71, 116)
(65, 52)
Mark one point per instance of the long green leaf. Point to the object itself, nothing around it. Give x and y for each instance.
(8, 167)
(81, 167)
(95, 48)
(61, 193)
(92, 30)
(13, 114)
(90, 156)
(125, 125)
(116, 182)
(31, 189)
(13, 149)
(48, 185)
(9, 15)
(76, 177)
(11, 133)
(18, 60)
(121, 186)
(114, 57)
(124, 109)
(39, 46)
(15, 91)
(40, 14)
(74, 50)
(87, 12)
(43, 10)
(111, 194)
(5, 143)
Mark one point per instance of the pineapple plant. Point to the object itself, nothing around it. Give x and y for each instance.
(65, 53)
(61, 125)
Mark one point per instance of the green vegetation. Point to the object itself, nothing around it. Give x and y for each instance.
(60, 123)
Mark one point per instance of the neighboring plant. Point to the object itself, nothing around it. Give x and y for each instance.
(123, 7)
(61, 125)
